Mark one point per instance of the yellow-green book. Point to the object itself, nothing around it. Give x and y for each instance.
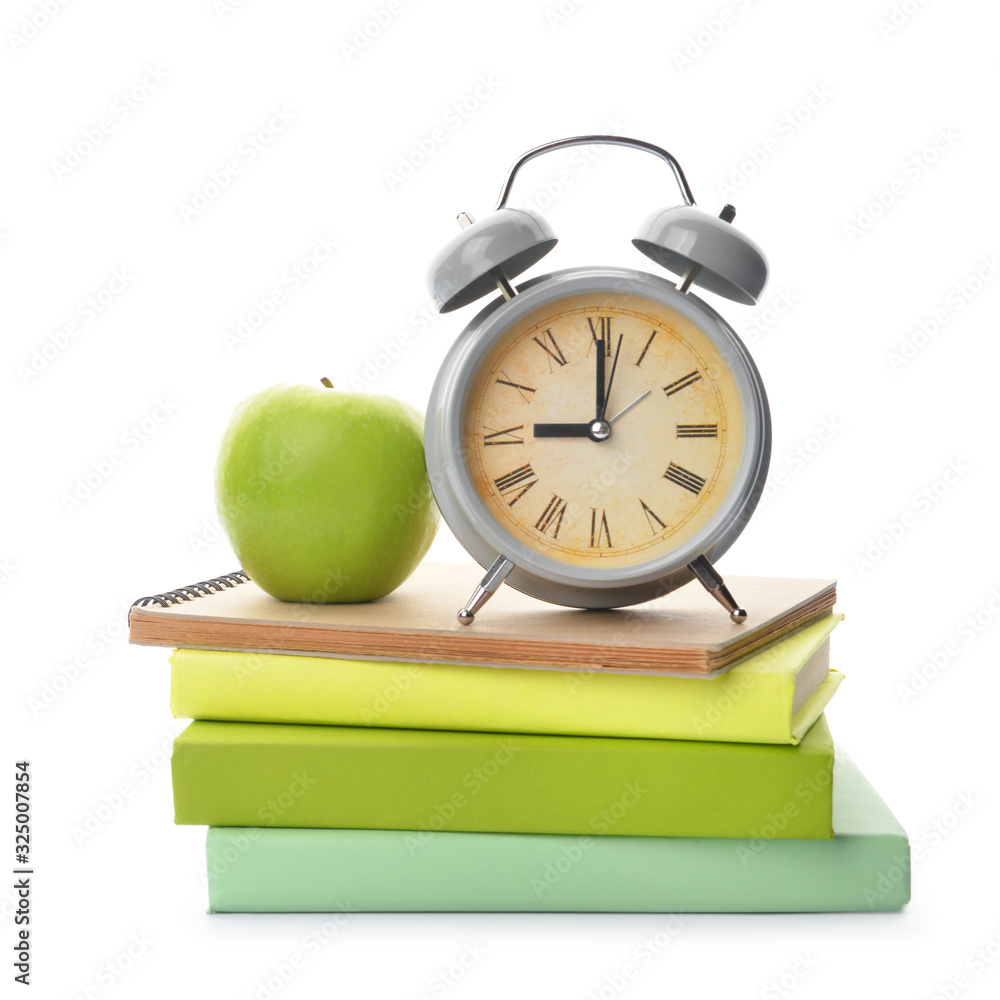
(350, 777)
(773, 696)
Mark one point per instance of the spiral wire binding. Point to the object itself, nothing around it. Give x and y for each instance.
(193, 590)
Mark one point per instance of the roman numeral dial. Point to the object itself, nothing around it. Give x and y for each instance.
(600, 533)
(664, 458)
(600, 333)
(524, 391)
(685, 479)
(512, 435)
(652, 518)
(697, 430)
(682, 383)
(548, 343)
(514, 484)
(552, 516)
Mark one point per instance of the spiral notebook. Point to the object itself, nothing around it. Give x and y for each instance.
(685, 632)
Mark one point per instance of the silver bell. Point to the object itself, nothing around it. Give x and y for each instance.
(706, 251)
(485, 255)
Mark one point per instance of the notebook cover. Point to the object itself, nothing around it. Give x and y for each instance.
(865, 867)
(246, 774)
(685, 631)
(751, 703)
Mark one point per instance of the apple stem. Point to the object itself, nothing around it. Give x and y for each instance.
(325, 381)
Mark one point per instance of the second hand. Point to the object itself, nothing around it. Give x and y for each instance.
(635, 402)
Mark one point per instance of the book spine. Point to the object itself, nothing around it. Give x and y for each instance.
(239, 774)
(345, 871)
(752, 703)
(249, 687)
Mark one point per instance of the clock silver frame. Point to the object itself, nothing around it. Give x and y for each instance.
(540, 575)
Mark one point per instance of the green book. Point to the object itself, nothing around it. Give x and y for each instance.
(865, 867)
(253, 774)
(773, 696)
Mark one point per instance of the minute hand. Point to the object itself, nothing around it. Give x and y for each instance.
(603, 405)
(602, 397)
(561, 430)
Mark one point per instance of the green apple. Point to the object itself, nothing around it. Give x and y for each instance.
(324, 494)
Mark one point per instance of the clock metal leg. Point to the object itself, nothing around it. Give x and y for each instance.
(507, 290)
(688, 277)
(488, 586)
(715, 585)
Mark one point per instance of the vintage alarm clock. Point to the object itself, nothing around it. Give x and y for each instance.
(598, 436)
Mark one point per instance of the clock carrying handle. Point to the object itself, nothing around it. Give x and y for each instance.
(597, 140)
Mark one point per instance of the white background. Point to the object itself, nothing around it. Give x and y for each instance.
(810, 118)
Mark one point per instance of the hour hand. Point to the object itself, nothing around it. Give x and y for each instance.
(561, 430)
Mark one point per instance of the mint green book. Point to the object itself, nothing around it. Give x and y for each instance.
(774, 696)
(865, 867)
(251, 774)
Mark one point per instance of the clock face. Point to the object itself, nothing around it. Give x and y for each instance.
(614, 492)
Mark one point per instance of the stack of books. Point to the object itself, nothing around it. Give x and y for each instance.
(384, 757)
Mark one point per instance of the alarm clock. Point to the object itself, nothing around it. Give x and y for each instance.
(598, 436)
